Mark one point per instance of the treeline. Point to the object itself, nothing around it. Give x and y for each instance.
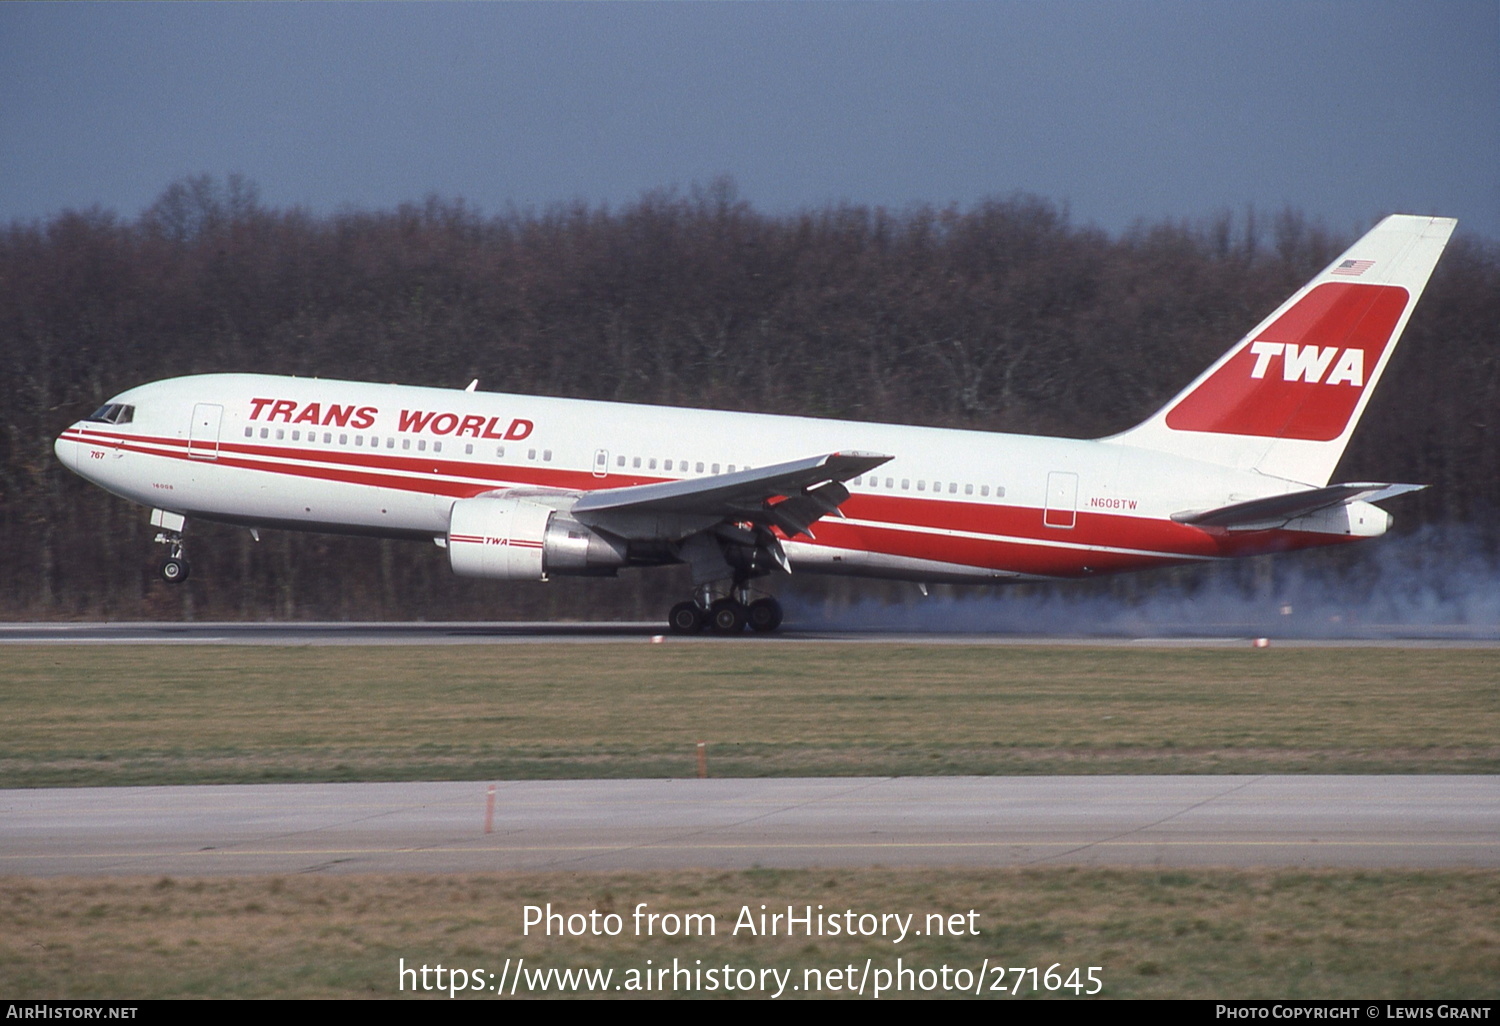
(1002, 316)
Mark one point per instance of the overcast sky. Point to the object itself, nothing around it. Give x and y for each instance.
(1123, 111)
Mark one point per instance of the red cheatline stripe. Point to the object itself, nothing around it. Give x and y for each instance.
(1149, 541)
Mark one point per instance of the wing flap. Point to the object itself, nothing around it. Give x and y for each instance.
(796, 514)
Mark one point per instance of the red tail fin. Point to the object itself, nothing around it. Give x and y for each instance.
(1286, 398)
(1303, 374)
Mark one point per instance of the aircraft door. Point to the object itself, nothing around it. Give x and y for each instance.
(601, 462)
(1062, 500)
(203, 436)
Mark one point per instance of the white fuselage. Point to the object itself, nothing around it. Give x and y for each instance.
(390, 460)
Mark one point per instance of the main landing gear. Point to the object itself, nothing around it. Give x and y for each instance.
(728, 615)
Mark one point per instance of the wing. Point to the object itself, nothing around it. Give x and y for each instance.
(1258, 514)
(790, 496)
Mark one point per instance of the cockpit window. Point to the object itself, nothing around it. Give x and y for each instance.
(113, 413)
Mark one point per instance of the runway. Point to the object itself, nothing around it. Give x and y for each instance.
(1355, 821)
(522, 633)
(1182, 821)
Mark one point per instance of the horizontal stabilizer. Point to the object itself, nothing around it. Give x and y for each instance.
(1280, 508)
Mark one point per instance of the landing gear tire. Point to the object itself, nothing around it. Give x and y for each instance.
(685, 618)
(174, 570)
(764, 615)
(726, 616)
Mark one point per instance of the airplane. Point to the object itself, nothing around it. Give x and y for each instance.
(519, 487)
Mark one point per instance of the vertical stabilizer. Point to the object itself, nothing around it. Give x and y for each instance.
(1286, 398)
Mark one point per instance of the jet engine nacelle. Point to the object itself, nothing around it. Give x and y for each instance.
(518, 540)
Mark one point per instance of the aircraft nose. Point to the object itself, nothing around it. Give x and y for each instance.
(67, 452)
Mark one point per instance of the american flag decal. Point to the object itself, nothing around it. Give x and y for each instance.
(1353, 268)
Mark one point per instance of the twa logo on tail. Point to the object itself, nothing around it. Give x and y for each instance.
(1324, 347)
(1307, 363)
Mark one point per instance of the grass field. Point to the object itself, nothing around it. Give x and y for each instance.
(1200, 933)
(178, 715)
(155, 715)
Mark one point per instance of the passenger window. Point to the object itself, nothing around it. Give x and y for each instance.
(921, 486)
(343, 439)
(531, 454)
(652, 464)
(437, 446)
(406, 444)
(636, 463)
(716, 468)
(546, 455)
(265, 433)
(999, 491)
(619, 461)
(296, 436)
(249, 432)
(499, 452)
(952, 487)
(468, 448)
(968, 489)
(984, 490)
(906, 484)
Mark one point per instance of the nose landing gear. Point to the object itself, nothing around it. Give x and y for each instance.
(175, 568)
